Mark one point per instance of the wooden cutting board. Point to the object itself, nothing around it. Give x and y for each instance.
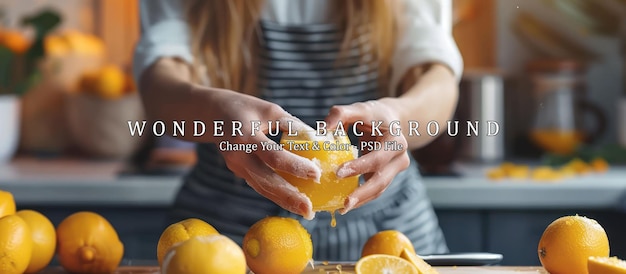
(441, 270)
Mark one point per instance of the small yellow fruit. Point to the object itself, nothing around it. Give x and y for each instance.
(16, 245)
(606, 265)
(88, 243)
(382, 263)
(390, 242)
(44, 239)
(182, 231)
(568, 242)
(7, 203)
(216, 254)
(277, 245)
(599, 165)
(109, 83)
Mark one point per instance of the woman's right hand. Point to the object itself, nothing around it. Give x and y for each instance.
(258, 167)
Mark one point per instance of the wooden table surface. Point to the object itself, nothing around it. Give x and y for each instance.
(441, 270)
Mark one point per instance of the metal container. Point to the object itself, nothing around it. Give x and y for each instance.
(481, 103)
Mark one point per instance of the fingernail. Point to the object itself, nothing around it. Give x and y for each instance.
(306, 212)
(316, 173)
(348, 205)
(344, 171)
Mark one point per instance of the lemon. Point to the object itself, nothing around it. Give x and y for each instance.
(390, 242)
(216, 254)
(88, 243)
(606, 265)
(181, 231)
(277, 245)
(44, 239)
(382, 263)
(16, 245)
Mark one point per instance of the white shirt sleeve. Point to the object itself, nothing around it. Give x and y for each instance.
(164, 33)
(426, 37)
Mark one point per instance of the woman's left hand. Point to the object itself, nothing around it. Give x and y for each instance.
(379, 166)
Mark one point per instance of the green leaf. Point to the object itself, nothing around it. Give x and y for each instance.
(43, 23)
(28, 83)
(6, 61)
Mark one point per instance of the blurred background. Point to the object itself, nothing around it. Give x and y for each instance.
(550, 73)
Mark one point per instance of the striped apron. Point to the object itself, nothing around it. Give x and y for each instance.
(298, 71)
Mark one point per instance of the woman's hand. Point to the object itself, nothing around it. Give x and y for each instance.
(258, 167)
(378, 166)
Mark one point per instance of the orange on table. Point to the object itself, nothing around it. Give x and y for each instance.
(568, 242)
(390, 242)
(16, 245)
(599, 165)
(422, 266)
(606, 265)
(180, 232)
(545, 173)
(277, 245)
(44, 239)
(88, 243)
(205, 254)
(579, 166)
(7, 203)
(330, 192)
(383, 263)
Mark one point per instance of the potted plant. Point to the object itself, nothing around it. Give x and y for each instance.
(19, 72)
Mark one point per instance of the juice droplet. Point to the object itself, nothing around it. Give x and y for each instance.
(333, 220)
(339, 268)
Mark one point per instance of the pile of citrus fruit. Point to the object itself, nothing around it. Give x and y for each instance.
(107, 82)
(84, 242)
(575, 167)
(577, 244)
(273, 245)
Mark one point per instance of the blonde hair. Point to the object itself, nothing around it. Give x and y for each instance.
(224, 37)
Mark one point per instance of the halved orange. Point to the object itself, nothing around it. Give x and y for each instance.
(606, 265)
(382, 263)
(422, 266)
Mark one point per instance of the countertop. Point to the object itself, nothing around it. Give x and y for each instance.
(75, 182)
(441, 270)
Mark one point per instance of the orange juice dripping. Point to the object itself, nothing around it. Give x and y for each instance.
(330, 192)
(562, 142)
(333, 220)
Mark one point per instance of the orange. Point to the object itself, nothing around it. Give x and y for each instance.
(390, 242)
(88, 243)
(330, 192)
(181, 231)
(557, 141)
(382, 263)
(44, 239)
(569, 241)
(277, 245)
(205, 254)
(110, 82)
(16, 245)
(422, 266)
(579, 166)
(7, 203)
(606, 265)
(545, 173)
(599, 165)
(55, 45)
(14, 41)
